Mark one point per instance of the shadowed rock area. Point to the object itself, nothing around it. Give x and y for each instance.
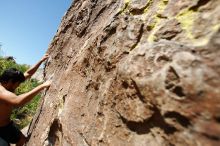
(133, 73)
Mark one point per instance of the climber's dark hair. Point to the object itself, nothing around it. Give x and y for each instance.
(13, 75)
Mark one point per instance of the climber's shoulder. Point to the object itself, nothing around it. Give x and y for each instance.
(6, 95)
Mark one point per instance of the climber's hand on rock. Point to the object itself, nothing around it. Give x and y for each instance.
(45, 57)
(46, 84)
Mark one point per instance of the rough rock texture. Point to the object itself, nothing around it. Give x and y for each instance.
(39, 75)
(133, 73)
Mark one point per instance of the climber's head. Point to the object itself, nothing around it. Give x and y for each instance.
(11, 79)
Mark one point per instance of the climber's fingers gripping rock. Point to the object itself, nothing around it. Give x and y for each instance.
(45, 57)
(47, 84)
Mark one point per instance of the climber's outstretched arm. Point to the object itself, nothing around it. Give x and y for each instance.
(19, 100)
(33, 69)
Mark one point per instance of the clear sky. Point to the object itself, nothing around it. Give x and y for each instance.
(27, 27)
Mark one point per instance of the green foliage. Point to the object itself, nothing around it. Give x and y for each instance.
(5, 64)
(23, 115)
(26, 86)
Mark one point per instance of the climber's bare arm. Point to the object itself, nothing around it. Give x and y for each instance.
(17, 101)
(33, 69)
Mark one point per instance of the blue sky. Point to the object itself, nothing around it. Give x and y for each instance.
(27, 27)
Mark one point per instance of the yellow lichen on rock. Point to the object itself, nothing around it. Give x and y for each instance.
(125, 6)
(150, 2)
(154, 27)
(127, 1)
(205, 40)
(216, 27)
(186, 19)
(161, 6)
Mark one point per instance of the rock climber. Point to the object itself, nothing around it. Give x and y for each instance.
(9, 81)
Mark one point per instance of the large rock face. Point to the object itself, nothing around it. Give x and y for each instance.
(133, 73)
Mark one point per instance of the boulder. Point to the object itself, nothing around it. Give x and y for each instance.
(133, 73)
